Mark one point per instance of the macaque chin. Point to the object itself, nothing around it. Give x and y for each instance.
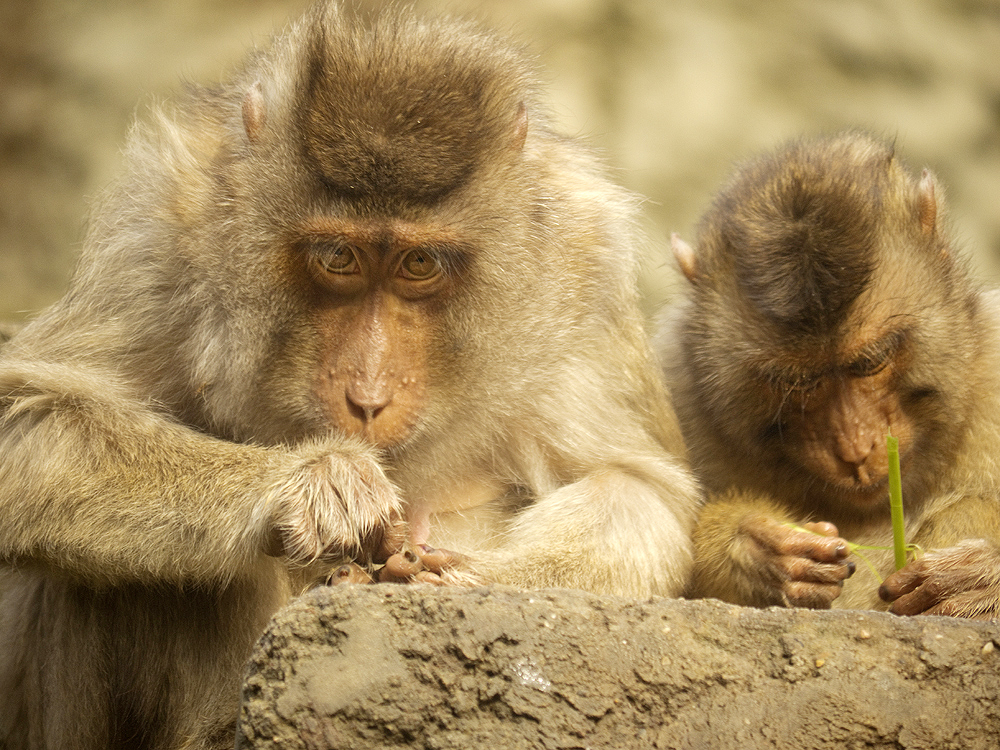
(828, 309)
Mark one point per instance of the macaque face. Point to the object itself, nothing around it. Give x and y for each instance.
(835, 411)
(380, 287)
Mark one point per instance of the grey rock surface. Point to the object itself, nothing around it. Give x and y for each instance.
(419, 667)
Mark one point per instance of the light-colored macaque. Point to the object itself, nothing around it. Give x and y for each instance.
(828, 309)
(357, 303)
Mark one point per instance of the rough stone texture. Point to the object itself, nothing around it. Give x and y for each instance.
(359, 667)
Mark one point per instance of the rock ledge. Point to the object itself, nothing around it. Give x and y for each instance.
(421, 667)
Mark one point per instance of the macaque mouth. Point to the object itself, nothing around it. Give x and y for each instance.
(855, 479)
(386, 424)
(387, 434)
(864, 482)
(856, 485)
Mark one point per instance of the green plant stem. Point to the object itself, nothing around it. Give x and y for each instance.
(896, 502)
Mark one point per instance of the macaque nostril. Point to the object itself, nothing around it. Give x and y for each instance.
(366, 403)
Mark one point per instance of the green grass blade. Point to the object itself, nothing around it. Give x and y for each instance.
(896, 502)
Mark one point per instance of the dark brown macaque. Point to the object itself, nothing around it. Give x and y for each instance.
(356, 305)
(827, 309)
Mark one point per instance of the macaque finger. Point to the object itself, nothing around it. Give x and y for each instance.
(812, 595)
(787, 541)
(823, 528)
(917, 601)
(422, 565)
(393, 539)
(350, 573)
(401, 567)
(439, 560)
(902, 582)
(808, 571)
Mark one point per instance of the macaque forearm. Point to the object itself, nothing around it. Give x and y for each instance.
(722, 569)
(950, 520)
(609, 532)
(79, 504)
(748, 550)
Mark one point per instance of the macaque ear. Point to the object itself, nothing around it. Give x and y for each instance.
(927, 203)
(254, 112)
(686, 258)
(519, 131)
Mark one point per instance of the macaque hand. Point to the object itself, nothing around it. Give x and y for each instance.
(335, 503)
(961, 581)
(423, 564)
(797, 568)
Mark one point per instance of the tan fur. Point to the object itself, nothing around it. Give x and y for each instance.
(781, 427)
(173, 460)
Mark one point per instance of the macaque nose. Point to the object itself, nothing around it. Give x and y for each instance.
(858, 453)
(366, 400)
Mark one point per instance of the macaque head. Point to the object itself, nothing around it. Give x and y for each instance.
(829, 312)
(380, 183)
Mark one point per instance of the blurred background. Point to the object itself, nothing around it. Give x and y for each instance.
(671, 92)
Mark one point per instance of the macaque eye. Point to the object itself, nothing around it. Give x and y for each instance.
(805, 384)
(794, 383)
(339, 259)
(420, 265)
(877, 359)
(865, 367)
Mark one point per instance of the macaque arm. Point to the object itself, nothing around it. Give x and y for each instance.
(960, 573)
(616, 531)
(748, 552)
(102, 487)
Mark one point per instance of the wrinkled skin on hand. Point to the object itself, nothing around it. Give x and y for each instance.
(421, 564)
(960, 581)
(797, 568)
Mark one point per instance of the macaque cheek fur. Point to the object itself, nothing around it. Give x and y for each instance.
(828, 308)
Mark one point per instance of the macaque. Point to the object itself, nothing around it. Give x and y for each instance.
(357, 303)
(828, 309)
